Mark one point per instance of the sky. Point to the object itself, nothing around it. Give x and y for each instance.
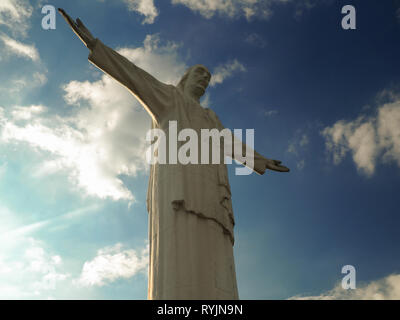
(323, 100)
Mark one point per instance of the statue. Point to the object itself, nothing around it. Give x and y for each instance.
(190, 210)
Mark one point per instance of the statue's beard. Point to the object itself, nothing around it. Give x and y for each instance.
(197, 91)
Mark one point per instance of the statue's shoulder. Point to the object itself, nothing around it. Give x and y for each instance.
(211, 113)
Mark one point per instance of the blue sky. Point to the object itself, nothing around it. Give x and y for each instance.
(325, 101)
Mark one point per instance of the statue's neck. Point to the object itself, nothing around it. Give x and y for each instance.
(193, 97)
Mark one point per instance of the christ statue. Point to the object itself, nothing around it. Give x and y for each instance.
(190, 210)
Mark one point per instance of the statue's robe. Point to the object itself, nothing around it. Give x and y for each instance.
(190, 210)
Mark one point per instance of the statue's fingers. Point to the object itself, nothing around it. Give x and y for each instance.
(284, 169)
(81, 25)
(62, 11)
(67, 18)
(84, 29)
(80, 34)
(79, 22)
(65, 15)
(279, 168)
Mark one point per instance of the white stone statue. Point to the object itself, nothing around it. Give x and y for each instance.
(190, 210)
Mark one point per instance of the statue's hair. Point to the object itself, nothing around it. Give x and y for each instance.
(181, 84)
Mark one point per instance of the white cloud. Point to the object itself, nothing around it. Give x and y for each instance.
(7, 218)
(30, 269)
(369, 139)
(12, 231)
(387, 288)
(269, 113)
(26, 113)
(302, 6)
(87, 156)
(22, 84)
(225, 71)
(357, 136)
(205, 100)
(15, 15)
(20, 49)
(300, 164)
(304, 140)
(388, 131)
(231, 8)
(3, 169)
(256, 39)
(38, 78)
(112, 263)
(144, 7)
(250, 9)
(298, 146)
(27, 269)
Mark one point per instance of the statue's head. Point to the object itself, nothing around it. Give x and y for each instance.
(195, 81)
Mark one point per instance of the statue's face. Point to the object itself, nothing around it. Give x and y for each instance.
(197, 81)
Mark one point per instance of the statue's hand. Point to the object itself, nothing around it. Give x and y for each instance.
(276, 165)
(80, 30)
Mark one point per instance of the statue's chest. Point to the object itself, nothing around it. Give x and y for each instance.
(189, 115)
(199, 118)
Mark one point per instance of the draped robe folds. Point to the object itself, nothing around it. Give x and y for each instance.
(190, 210)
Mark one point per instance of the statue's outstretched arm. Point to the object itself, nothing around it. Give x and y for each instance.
(150, 92)
(274, 165)
(260, 163)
